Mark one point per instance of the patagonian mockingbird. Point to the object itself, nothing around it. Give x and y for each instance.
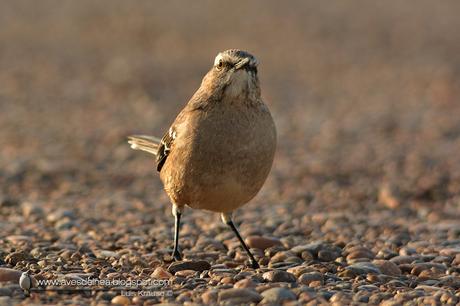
(219, 150)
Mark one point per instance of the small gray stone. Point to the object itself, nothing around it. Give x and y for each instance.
(6, 292)
(277, 295)
(313, 248)
(239, 295)
(387, 267)
(403, 259)
(307, 278)
(279, 276)
(327, 255)
(361, 268)
(368, 288)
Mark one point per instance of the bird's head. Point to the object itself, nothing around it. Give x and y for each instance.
(234, 75)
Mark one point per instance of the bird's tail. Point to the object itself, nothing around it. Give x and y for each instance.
(144, 143)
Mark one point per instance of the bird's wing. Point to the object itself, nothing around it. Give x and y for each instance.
(165, 147)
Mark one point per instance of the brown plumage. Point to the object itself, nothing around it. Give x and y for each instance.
(219, 150)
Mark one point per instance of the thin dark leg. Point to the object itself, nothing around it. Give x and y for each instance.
(254, 263)
(176, 253)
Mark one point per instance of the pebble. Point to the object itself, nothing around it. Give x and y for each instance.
(239, 295)
(308, 278)
(161, 273)
(313, 248)
(299, 270)
(327, 255)
(120, 300)
(260, 242)
(185, 273)
(245, 283)
(425, 266)
(199, 265)
(9, 275)
(210, 296)
(387, 267)
(340, 298)
(281, 256)
(6, 292)
(403, 259)
(450, 251)
(362, 268)
(16, 257)
(277, 295)
(184, 297)
(306, 256)
(359, 252)
(279, 276)
(105, 254)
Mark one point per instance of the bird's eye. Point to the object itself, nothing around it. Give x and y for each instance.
(220, 65)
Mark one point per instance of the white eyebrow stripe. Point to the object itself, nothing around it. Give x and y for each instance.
(218, 58)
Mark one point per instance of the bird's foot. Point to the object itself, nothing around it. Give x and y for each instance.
(255, 265)
(176, 255)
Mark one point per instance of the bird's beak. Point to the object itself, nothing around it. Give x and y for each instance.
(242, 63)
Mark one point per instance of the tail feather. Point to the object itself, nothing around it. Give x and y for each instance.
(145, 143)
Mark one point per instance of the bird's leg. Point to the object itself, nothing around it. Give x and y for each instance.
(177, 213)
(227, 219)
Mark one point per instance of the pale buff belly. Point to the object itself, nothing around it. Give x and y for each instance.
(224, 196)
(218, 184)
(220, 181)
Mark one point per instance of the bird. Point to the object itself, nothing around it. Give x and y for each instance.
(25, 282)
(220, 148)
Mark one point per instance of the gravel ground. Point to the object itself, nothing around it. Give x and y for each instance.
(363, 202)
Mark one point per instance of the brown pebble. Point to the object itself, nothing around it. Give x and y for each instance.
(9, 275)
(120, 300)
(403, 259)
(239, 295)
(306, 296)
(245, 283)
(299, 270)
(184, 297)
(306, 256)
(360, 252)
(260, 242)
(161, 273)
(185, 273)
(138, 300)
(279, 276)
(209, 297)
(387, 267)
(327, 255)
(227, 280)
(310, 277)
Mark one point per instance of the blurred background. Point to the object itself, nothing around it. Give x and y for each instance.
(365, 96)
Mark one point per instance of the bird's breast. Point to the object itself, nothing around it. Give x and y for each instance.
(229, 155)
